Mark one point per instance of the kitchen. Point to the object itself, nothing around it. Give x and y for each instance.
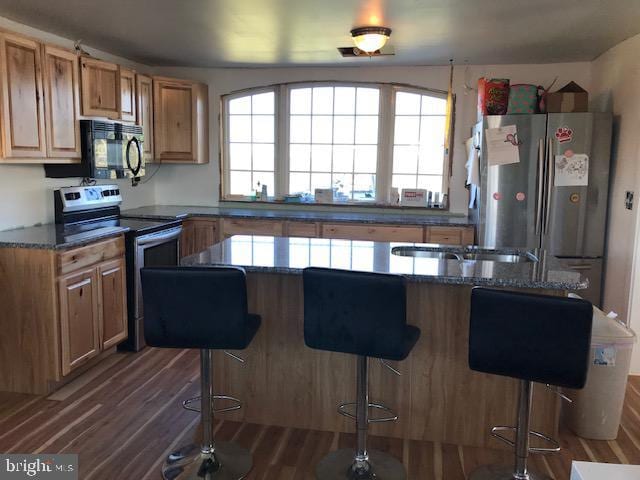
(97, 393)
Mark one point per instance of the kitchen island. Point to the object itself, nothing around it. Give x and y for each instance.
(437, 397)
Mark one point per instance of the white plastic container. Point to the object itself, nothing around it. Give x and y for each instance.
(596, 410)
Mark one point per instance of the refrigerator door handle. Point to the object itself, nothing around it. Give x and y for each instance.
(549, 186)
(540, 198)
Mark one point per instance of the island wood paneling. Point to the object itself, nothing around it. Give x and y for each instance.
(437, 397)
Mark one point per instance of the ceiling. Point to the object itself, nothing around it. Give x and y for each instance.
(210, 33)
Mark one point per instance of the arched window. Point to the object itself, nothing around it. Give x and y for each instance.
(359, 139)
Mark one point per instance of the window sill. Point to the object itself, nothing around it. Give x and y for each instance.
(328, 206)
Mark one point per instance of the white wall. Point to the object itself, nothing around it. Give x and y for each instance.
(27, 194)
(198, 185)
(616, 78)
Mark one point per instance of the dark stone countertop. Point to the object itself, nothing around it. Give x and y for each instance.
(55, 237)
(293, 214)
(290, 255)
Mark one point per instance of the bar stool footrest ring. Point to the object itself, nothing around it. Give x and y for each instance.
(343, 410)
(235, 404)
(495, 431)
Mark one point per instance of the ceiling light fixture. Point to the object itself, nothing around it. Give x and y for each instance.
(370, 39)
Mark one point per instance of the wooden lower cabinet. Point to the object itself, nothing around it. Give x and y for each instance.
(235, 226)
(112, 286)
(79, 318)
(302, 229)
(93, 307)
(198, 234)
(450, 235)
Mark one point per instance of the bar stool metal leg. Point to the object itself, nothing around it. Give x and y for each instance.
(520, 471)
(210, 460)
(361, 464)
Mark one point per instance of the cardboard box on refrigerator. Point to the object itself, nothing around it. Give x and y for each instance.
(569, 99)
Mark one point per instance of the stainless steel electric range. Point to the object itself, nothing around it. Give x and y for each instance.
(88, 211)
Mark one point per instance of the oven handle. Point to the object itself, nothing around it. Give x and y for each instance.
(158, 237)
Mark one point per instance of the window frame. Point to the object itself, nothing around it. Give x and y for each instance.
(386, 123)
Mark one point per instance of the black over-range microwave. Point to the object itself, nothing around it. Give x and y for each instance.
(110, 150)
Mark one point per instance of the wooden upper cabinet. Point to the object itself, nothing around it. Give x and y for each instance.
(113, 302)
(101, 93)
(144, 110)
(79, 335)
(62, 102)
(22, 104)
(181, 121)
(127, 95)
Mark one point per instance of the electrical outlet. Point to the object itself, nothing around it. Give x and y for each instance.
(628, 200)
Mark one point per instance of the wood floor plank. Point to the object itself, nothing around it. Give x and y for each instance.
(125, 418)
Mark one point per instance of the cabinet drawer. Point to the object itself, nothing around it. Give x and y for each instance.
(71, 260)
(251, 227)
(378, 233)
(445, 235)
(302, 229)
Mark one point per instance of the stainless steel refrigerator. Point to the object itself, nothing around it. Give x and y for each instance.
(525, 204)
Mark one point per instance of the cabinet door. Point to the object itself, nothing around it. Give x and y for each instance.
(144, 94)
(233, 226)
(180, 121)
(62, 103)
(127, 95)
(205, 234)
(22, 103)
(100, 88)
(375, 233)
(112, 282)
(79, 318)
(187, 238)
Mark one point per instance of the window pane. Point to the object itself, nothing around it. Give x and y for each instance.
(407, 130)
(300, 157)
(343, 129)
(240, 156)
(367, 101)
(404, 181)
(434, 105)
(367, 130)
(240, 183)
(323, 100)
(300, 101)
(263, 128)
(321, 158)
(321, 129)
(364, 187)
(262, 103)
(299, 182)
(240, 105)
(405, 159)
(343, 183)
(366, 158)
(300, 129)
(343, 158)
(265, 178)
(320, 180)
(407, 103)
(239, 128)
(263, 156)
(430, 182)
(345, 100)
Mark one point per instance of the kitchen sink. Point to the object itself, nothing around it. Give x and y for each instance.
(487, 256)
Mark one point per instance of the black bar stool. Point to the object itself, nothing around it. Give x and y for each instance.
(363, 314)
(533, 338)
(204, 308)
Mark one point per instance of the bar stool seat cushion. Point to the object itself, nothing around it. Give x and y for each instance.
(197, 307)
(358, 313)
(537, 338)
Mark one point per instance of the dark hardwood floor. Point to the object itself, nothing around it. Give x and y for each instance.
(123, 417)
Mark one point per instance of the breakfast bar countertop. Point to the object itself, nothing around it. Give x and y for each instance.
(296, 215)
(444, 265)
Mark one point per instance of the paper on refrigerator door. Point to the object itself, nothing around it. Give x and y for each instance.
(502, 145)
(571, 171)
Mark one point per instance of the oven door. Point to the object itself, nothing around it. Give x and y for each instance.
(160, 249)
